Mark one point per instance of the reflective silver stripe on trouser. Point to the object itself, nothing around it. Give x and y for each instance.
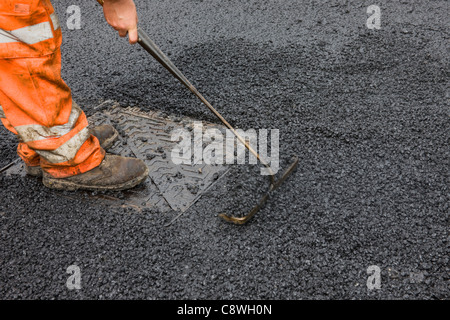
(68, 150)
(36, 132)
(65, 152)
(31, 34)
(55, 21)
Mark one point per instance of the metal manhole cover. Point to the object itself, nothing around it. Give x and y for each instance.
(147, 135)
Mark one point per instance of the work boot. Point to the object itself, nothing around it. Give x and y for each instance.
(33, 171)
(106, 135)
(114, 173)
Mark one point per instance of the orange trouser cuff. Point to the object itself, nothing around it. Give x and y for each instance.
(29, 156)
(88, 157)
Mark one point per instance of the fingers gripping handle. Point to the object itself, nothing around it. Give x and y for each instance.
(145, 41)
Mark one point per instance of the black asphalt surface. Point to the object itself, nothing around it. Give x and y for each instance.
(366, 111)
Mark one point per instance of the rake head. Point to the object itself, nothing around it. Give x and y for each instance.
(274, 184)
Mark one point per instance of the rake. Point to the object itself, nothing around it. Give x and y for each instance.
(145, 41)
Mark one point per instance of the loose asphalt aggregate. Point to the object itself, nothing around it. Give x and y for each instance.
(365, 110)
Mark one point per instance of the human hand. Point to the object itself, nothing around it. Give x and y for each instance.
(122, 16)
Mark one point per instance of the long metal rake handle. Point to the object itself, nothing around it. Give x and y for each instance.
(153, 49)
(147, 43)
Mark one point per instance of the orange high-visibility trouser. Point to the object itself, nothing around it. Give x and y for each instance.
(35, 103)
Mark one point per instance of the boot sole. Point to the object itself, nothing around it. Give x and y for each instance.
(61, 184)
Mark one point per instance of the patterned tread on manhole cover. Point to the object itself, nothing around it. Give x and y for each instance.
(147, 135)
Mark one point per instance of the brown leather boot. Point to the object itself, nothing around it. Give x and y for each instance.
(114, 173)
(106, 135)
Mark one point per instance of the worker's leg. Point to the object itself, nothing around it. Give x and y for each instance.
(37, 105)
(35, 102)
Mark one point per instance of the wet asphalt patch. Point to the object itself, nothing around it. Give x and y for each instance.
(366, 111)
